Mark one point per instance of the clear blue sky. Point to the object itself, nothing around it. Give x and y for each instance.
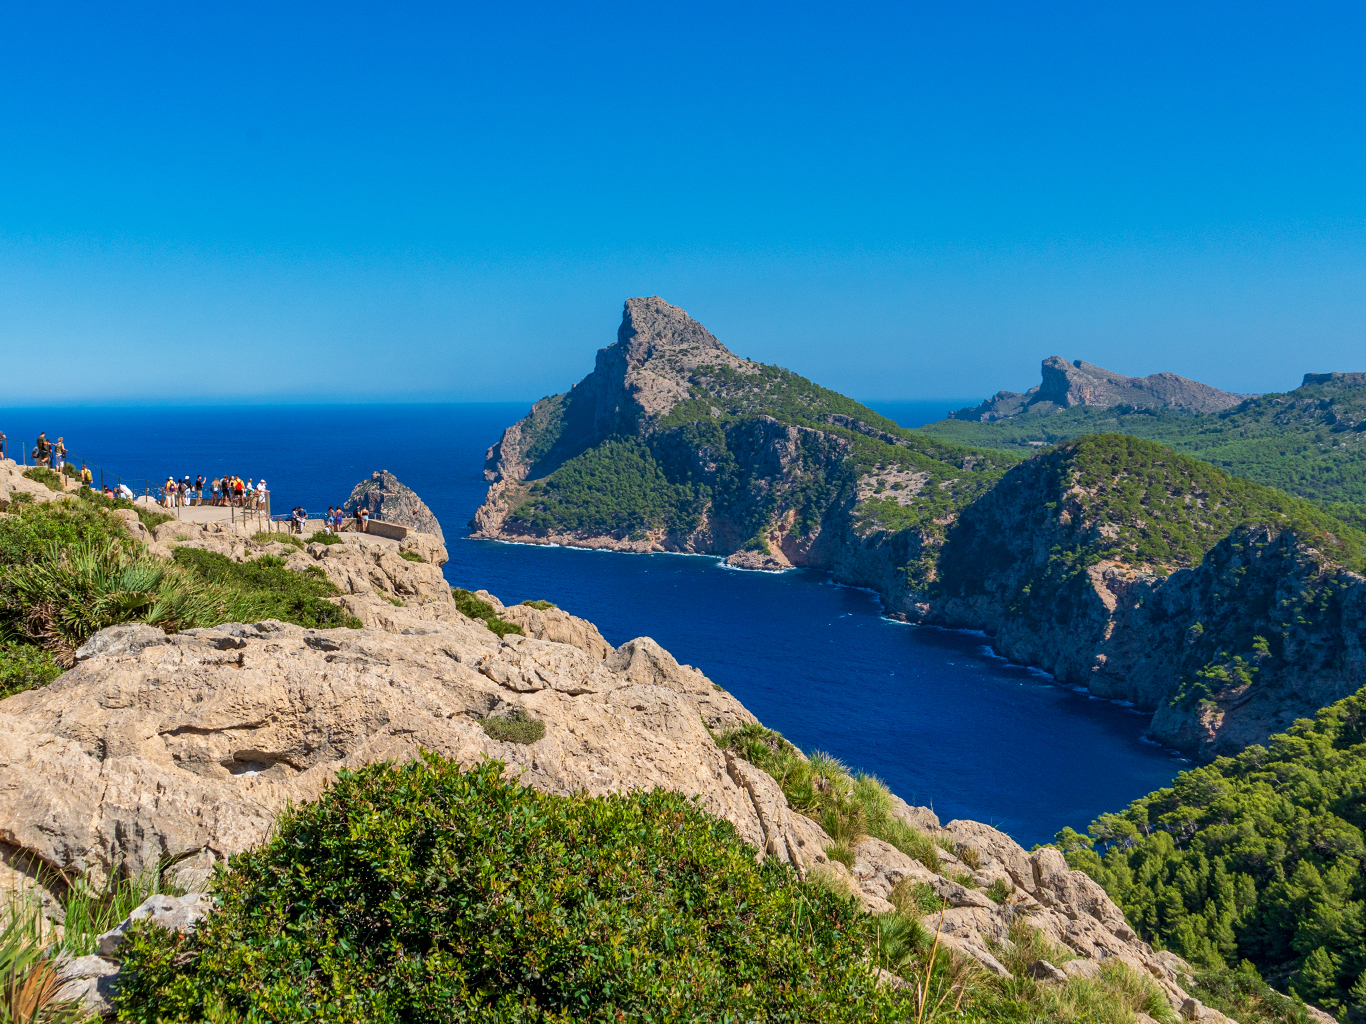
(341, 201)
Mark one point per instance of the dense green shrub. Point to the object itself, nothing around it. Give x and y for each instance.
(68, 593)
(514, 727)
(49, 478)
(323, 537)
(1256, 857)
(268, 590)
(148, 518)
(23, 537)
(469, 604)
(422, 892)
(25, 667)
(540, 606)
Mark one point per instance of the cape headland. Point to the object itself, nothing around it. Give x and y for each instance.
(1108, 561)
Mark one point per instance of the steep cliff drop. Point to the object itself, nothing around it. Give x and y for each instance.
(674, 443)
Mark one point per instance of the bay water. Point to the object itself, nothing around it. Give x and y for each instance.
(934, 713)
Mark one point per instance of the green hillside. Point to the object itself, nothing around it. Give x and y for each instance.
(1310, 441)
(1112, 496)
(1256, 857)
(708, 456)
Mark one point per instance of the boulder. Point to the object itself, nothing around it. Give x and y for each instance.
(174, 913)
(558, 626)
(1042, 970)
(393, 502)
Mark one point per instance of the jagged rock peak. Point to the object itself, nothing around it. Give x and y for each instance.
(1065, 385)
(650, 325)
(393, 502)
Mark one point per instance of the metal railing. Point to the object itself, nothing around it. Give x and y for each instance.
(103, 479)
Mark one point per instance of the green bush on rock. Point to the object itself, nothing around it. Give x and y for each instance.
(269, 590)
(25, 667)
(422, 892)
(67, 594)
(470, 605)
(514, 727)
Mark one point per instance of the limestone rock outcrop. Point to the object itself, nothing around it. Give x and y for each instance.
(385, 498)
(13, 481)
(1065, 385)
(181, 749)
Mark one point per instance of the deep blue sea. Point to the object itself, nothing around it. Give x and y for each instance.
(934, 713)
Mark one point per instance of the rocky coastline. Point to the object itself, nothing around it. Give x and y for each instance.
(1147, 629)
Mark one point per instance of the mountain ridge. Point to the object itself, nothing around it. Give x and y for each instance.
(1065, 385)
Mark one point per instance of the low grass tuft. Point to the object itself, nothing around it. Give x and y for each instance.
(264, 538)
(843, 854)
(849, 806)
(516, 726)
(540, 606)
(1000, 891)
(412, 556)
(472, 606)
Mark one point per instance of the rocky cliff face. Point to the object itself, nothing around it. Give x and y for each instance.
(1146, 584)
(181, 750)
(387, 499)
(1065, 385)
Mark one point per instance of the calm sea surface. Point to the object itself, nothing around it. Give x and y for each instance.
(934, 713)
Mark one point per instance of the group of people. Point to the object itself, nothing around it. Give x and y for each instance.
(48, 453)
(225, 490)
(332, 522)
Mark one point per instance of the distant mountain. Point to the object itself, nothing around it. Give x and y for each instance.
(1310, 441)
(674, 443)
(1066, 385)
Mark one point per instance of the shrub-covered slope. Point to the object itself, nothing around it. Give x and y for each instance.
(1228, 607)
(1255, 857)
(1310, 441)
(68, 569)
